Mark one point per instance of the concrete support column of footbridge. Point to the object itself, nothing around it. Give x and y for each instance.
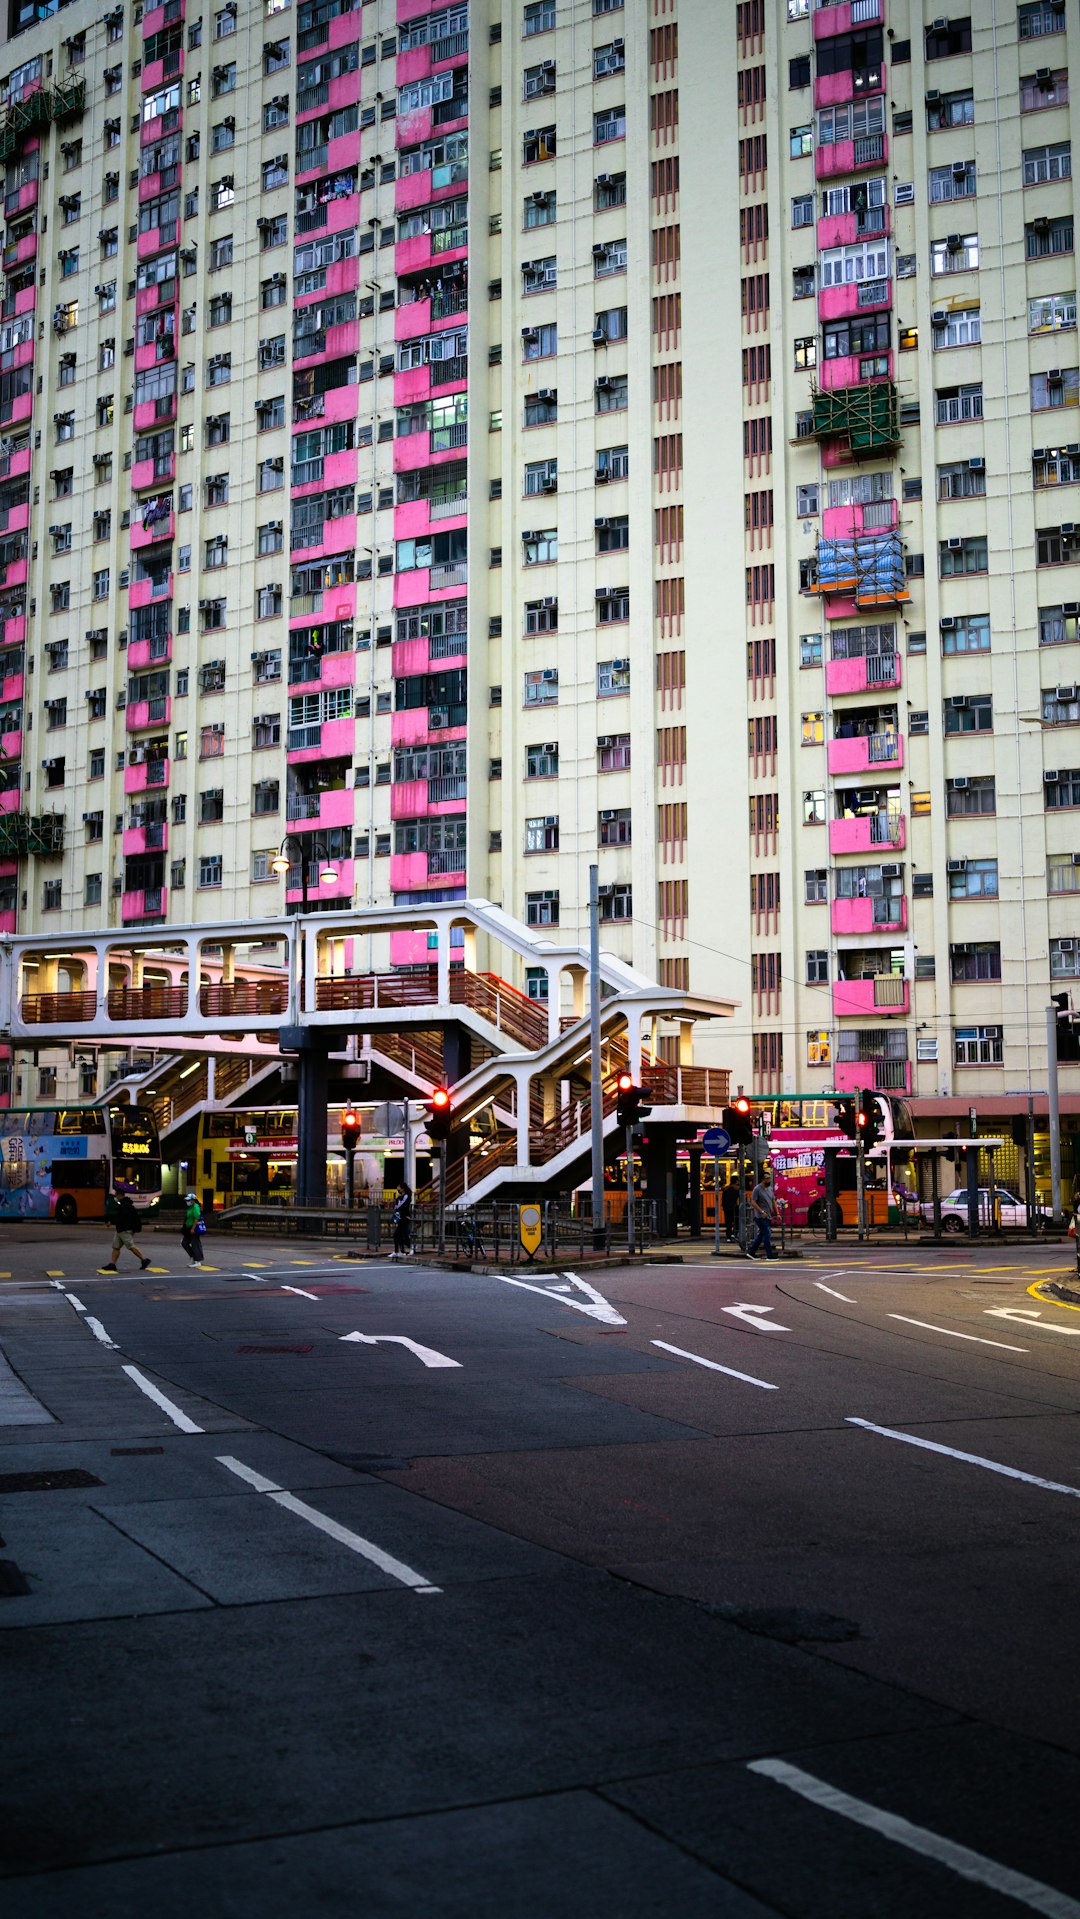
(312, 1046)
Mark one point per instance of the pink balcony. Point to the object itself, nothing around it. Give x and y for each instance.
(341, 891)
(836, 89)
(411, 656)
(861, 296)
(8, 924)
(147, 418)
(145, 839)
(12, 687)
(341, 403)
(140, 656)
(342, 276)
(147, 473)
(867, 753)
(17, 519)
(154, 21)
(414, 190)
(341, 469)
(413, 64)
(9, 800)
(338, 536)
(150, 903)
(410, 727)
(344, 91)
(885, 995)
(18, 462)
(14, 631)
(156, 239)
(143, 592)
(411, 128)
(151, 535)
(338, 669)
(14, 573)
(141, 714)
(343, 152)
(842, 229)
(149, 188)
(411, 519)
(864, 916)
(854, 676)
(412, 321)
(152, 131)
(148, 776)
(873, 1076)
(335, 809)
(863, 835)
(146, 301)
(832, 20)
(850, 156)
(411, 10)
(409, 949)
(25, 301)
(22, 407)
(845, 372)
(25, 249)
(412, 383)
(27, 197)
(408, 872)
(343, 28)
(11, 749)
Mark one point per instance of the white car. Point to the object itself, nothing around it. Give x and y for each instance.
(954, 1209)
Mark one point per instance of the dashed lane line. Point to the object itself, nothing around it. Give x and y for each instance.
(99, 1332)
(949, 1334)
(967, 1459)
(747, 1378)
(822, 1288)
(364, 1548)
(153, 1392)
(974, 1866)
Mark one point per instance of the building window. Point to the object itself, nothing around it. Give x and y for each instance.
(817, 967)
(978, 1046)
(969, 713)
(542, 687)
(963, 556)
(816, 885)
(955, 109)
(1065, 959)
(974, 796)
(955, 182)
(962, 480)
(1046, 238)
(1057, 388)
(542, 834)
(814, 813)
(973, 879)
(1047, 87)
(975, 960)
(1053, 313)
(1061, 706)
(800, 142)
(542, 909)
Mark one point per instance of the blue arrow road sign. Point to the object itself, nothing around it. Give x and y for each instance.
(715, 1140)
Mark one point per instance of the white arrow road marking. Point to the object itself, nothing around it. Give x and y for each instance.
(833, 1293)
(969, 1459)
(1026, 1316)
(753, 1317)
(597, 1308)
(300, 1290)
(949, 1334)
(959, 1859)
(748, 1378)
(363, 1547)
(425, 1354)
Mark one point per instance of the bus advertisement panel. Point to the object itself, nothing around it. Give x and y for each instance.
(59, 1161)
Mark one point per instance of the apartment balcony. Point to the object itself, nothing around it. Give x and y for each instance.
(837, 89)
(878, 1075)
(855, 369)
(429, 185)
(12, 686)
(333, 739)
(10, 798)
(147, 775)
(866, 674)
(324, 669)
(409, 872)
(414, 518)
(831, 20)
(853, 522)
(426, 252)
(157, 239)
(850, 156)
(886, 994)
(150, 533)
(858, 296)
(150, 415)
(341, 892)
(145, 592)
(153, 838)
(15, 519)
(866, 571)
(414, 725)
(158, 73)
(866, 753)
(13, 631)
(871, 914)
(14, 464)
(422, 583)
(427, 799)
(880, 832)
(146, 903)
(144, 653)
(139, 714)
(330, 536)
(865, 418)
(14, 573)
(11, 748)
(16, 252)
(335, 807)
(158, 18)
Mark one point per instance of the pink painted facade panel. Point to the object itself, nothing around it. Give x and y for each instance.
(408, 871)
(340, 469)
(147, 419)
(829, 21)
(11, 747)
(338, 669)
(858, 916)
(413, 383)
(410, 727)
(143, 474)
(854, 1076)
(836, 89)
(8, 924)
(139, 655)
(413, 127)
(155, 240)
(133, 905)
(411, 10)
(413, 64)
(26, 249)
(151, 535)
(853, 756)
(414, 190)
(413, 320)
(411, 519)
(344, 28)
(836, 374)
(18, 518)
(134, 841)
(409, 800)
(137, 778)
(412, 588)
(137, 717)
(343, 213)
(855, 999)
(409, 949)
(850, 676)
(22, 407)
(413, 255)
(342, 890)
(854, 836)
(343, 152)
(344, 91)
(410, 451)
(23, 355)
(14, 632)
(341, 403)
(14, 573)
(337, 808)
(839, 303)
(839, 157)
(9, 801)
(410, 656)
(26, 300)
(12, 687)
(342, 276)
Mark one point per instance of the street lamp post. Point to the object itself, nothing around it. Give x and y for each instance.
(312, 1074)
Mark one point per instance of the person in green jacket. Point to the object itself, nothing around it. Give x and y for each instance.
(191, 1237)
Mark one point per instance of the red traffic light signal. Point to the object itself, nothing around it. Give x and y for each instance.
(631, 1105)
(742, 1105)
(440, 1107)
(737, 1122)
(350, 1128)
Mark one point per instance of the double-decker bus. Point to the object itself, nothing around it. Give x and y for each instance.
(799, 1130)
(246, 1156)
(58, 1162)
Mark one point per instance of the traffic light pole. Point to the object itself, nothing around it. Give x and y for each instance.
(1054, 1110)
(860, 1183)
(350, 1178)
(630, 1191)
(442, 1196)
(596, 1098)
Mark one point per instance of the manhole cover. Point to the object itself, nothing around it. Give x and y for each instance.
(46, 1482)
(275, 1349)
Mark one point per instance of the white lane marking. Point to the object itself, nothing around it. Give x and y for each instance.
(959, 1859)
(77, 1303)
(752, 1315)
(968, 1459)
(147, 1386)
(301, 1292)
(426, 1354)
(364, 1547)
(1026, 1316)
(833, 1293)
(257, 1277)
(598, 1307)
(765, 1384)
(99, 1332)
(949, 1334)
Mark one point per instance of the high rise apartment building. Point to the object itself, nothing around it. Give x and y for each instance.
(480, 439)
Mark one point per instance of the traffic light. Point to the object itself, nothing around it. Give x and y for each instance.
(868, 1124)
(350, 1129)
(738, 1122)
(439, 1113)
(631, 1106)
(1068, 1031)
(846, 1117)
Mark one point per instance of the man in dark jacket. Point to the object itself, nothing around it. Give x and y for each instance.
(124, 1219)
(729, 1202)
(402, 1218)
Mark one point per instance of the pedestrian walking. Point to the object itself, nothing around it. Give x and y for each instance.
(194, 1228)
(763, 1211)
(729, 1203)
(402, 1221)
(124, 1218)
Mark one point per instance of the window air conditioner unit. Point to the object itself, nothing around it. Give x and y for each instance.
(890, 872)
(1038, 453)
(960, 784)
(1055, 375)
(940, 26)
(1076, 859)
(1071, 609)
(599, 250)
(540, 199)
(1051, 776)
(601, 593)
(550, 673)
(530, 333)
(959, 168)
(905, 193)
(958, 701)
(603, 179)
(604, 740)
(546, 393)
(609, 813)
(1041, 224)
(603, 476)
(550, 746)
(948, 623)
(1067, 946)
(939, 317)
(954, 543)
(1065, 694)
(956, 866)
(954, 242)
(117, 887)
(620, 666)
(977, 465)
(530, 535)
(1068, 528)
(599, 337)
(549, 600)
(933, 97)
(550, 486)
(1043, 76)
(604, 384)
(599, 523)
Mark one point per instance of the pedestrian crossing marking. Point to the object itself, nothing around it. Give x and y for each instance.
(53, 1272)
(158, 1269)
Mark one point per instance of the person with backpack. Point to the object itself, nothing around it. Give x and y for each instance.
(124, 1220)
(402, 1220)
(194, 1228)
(729, 1203)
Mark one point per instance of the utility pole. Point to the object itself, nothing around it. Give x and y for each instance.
(630, 1191)
(860, 1186)
(1055, 1110)
(1029, 1167)
(596, 1108)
